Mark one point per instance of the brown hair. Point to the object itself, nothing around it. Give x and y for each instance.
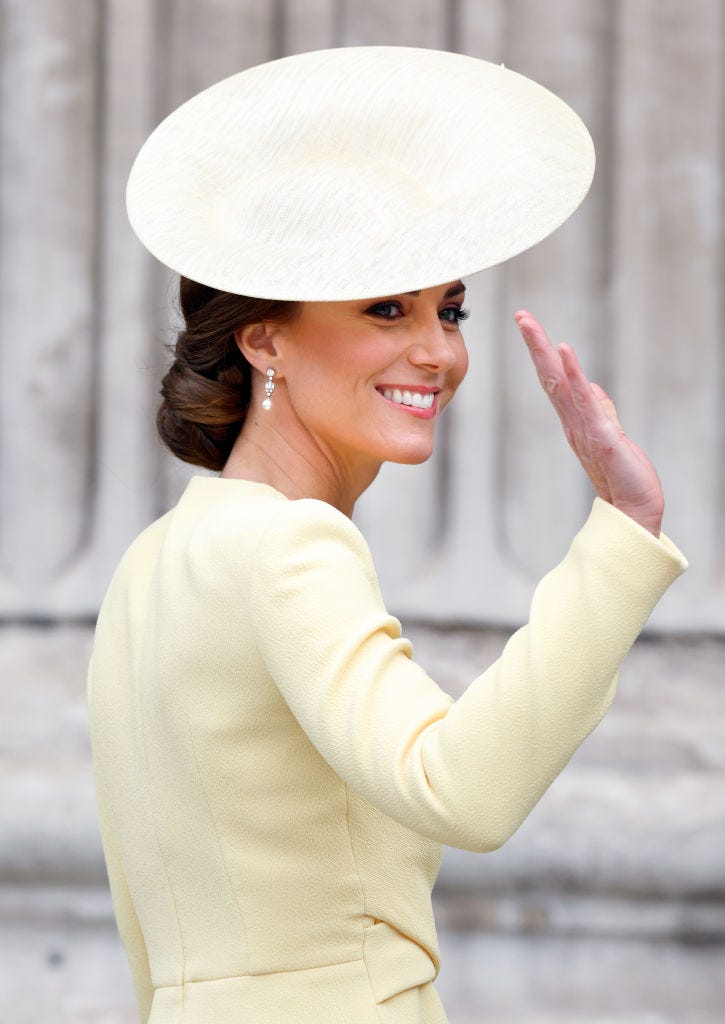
(206, 390)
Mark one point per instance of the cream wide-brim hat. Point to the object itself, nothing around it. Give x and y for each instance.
(357, 172)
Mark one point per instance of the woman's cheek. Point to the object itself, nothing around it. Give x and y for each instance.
(463, 368)
(459, 371)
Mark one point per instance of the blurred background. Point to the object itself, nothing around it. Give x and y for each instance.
(608, 905)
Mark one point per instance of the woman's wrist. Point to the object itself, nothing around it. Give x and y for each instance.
(650, 519)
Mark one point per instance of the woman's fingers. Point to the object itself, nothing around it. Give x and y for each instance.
(583, 394)
(549, 369)
(585, 409)
(569, 391)
(607, 404)
(583, 391)
(620, 471)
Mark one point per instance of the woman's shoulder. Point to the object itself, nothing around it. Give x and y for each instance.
(223, 504)
(221, 519)
(141, 552)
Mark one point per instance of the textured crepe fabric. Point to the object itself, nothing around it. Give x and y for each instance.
(276, 775)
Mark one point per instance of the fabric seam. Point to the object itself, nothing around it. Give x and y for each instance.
(218, 840)
(142, 738)
(362, 893)
(264, 974)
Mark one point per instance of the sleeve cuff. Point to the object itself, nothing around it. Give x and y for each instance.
(660, 553)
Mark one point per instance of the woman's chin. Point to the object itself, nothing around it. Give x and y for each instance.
(410, 455)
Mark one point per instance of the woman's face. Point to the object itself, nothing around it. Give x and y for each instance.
(370, 378)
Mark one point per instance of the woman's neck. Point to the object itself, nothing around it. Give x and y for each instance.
(273, 448)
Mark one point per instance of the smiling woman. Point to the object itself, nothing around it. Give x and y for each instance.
(409, 348)
(345, 375)
(275, 774)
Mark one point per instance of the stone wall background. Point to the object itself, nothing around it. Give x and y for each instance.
(608, 905)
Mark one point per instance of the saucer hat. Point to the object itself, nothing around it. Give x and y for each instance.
(357, 172)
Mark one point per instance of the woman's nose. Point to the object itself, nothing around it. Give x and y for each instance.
(435, 348)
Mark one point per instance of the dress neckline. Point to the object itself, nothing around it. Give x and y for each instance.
(198, 482)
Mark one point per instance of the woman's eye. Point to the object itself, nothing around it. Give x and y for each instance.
(383, 309)
(392, 310)
(454, 314)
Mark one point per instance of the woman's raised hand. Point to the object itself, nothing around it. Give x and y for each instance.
(620, 471)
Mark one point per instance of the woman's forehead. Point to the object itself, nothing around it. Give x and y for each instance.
(438, 293)
(443, 291)
(454, 289)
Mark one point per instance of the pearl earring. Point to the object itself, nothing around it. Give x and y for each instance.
(268, 389)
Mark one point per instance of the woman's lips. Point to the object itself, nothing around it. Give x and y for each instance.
(420, 412)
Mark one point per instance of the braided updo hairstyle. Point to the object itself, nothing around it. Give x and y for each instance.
(207, 389)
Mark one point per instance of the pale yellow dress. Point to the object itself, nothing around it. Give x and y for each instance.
(276, 775)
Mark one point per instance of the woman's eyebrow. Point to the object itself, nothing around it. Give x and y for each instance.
(455, 289)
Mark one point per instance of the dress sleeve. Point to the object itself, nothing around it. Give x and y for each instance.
(467, 772)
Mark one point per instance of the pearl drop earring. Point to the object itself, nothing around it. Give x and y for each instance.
(268, 389)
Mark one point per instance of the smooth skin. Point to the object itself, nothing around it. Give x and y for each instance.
(330, 427)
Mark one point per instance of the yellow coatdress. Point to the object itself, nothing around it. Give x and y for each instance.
(276, 776)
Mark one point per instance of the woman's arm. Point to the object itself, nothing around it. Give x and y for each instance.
(464, 773)
(467, 773)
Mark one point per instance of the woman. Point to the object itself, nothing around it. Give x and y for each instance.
(275, 775)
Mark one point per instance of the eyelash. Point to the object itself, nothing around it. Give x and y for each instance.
(462, 313)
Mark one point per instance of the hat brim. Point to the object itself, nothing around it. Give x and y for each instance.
(357, 172)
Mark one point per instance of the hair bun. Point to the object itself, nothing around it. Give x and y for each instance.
(207, 388)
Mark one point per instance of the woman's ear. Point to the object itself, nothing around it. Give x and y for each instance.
(256, 343)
